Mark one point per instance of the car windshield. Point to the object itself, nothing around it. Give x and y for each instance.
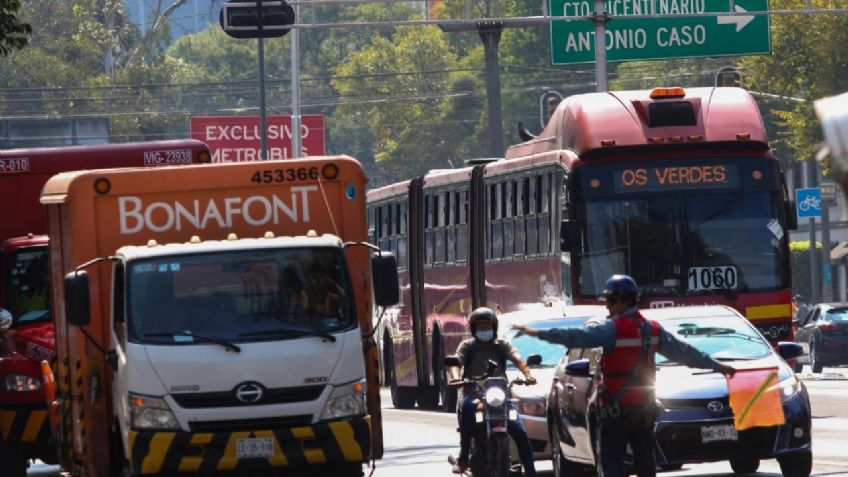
(551, 353)
(28, 289)
(838, 315)
(254, 295)
(725, 337)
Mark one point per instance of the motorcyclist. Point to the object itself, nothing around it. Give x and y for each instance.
(474, 354)
(629, 343)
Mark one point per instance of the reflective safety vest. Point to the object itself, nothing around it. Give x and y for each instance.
(629, 372)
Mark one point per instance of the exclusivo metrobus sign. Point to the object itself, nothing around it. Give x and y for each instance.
(239, 138)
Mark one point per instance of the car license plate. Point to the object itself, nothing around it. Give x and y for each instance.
(724, 432)
(258, 447)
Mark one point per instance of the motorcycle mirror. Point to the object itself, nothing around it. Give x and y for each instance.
(452, 361)
(534, 360)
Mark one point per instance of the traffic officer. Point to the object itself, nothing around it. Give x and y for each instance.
(626, 394)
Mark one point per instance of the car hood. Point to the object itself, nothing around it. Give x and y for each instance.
(681, 382)
(544, 378)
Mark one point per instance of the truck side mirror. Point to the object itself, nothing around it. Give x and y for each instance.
(569, 236)
(385, 279)
(77, 299)
(5, 320)
(791, 217)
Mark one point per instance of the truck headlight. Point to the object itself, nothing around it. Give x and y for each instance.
(345, 400)
(790, 387)
(21, 382)
(495, 397)
(532, 406)
(151, 413)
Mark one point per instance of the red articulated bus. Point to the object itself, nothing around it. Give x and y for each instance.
(24, 277)
(678, 188)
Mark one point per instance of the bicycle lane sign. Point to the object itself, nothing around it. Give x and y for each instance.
(808, 202)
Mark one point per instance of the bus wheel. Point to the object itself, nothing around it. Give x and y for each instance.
(402, 397)
(447, 394)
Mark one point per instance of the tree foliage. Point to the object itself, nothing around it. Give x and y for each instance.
(13, 33)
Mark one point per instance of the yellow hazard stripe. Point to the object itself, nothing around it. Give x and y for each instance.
(279, 459)
(7, 418)
(192, 463)
(313, 456)
(159, 445)
(761, 312)
(229, 460)
(343, 432)
(33, 426)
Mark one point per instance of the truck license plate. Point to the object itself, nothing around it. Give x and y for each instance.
(254, 447)
(724, 432)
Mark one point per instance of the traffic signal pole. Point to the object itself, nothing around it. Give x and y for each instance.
(600, 18)
(295, 87)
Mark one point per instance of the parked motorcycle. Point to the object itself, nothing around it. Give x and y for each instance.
(489, 452)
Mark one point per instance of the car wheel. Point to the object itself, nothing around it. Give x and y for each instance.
(815, 359)
(557, 457)
(745, 465)
(796, 465)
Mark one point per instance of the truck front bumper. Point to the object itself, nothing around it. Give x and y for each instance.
(170, 452)
(24, 426)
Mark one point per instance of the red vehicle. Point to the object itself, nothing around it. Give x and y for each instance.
(24, 283)
(678, 188)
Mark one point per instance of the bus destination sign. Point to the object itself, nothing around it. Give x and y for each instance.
(645, 179)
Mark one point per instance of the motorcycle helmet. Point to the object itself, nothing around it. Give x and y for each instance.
(480, 315)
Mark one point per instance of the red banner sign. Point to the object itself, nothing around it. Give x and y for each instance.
(238, 139)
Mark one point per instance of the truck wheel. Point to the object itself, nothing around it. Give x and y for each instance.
(15, 465)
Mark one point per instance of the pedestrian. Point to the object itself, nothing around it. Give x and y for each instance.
(626, 391)
(799, 308)
(474, 354)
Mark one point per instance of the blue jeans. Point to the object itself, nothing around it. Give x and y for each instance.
(515, 429)
(616, 433)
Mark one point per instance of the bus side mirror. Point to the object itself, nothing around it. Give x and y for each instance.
(791, 218)
(385, 279)
(77, 299)
(569, 236)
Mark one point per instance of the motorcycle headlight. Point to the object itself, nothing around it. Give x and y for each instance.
(790, 387)
(149, 412)
(345, 400)
(532, 407)
(21, 382)
(495, 397)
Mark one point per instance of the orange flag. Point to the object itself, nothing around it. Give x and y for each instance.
(755, 398)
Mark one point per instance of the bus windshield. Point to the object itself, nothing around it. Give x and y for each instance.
(684, 242)
(28, 290)
(255, 295)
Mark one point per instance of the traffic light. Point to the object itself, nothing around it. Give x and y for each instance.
(257, 19)
(547, 105)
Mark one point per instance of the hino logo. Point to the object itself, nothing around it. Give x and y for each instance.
(715, 407)
(249, 393)
(185, 387)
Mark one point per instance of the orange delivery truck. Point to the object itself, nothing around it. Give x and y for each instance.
(215, 318)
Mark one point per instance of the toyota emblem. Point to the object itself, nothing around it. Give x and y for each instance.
(715, 407)
(249, 393)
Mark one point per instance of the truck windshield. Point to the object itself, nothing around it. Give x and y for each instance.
(684, 242)
(28, 290)
(253, 295)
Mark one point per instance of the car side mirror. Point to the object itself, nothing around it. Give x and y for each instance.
(579, 368)
(569, 236)
(385, 279)
(789, 350)
(534, 360)
(5, 320)
(452, 361)
(77, 305)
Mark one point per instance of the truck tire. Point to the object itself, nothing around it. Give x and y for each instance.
(13, 465)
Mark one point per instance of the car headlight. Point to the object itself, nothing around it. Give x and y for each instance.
(790, 387)
(345, 400)
(21, 382)
(149, 412)
(495, 397)
(532, 406)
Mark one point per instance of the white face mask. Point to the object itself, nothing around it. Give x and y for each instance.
(485, 335)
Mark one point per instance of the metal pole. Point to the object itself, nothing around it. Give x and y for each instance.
(827, 287)
(843, 296)
(295, 86)
(490, 33)
(601, 19)
(809, 181)
(263, 148)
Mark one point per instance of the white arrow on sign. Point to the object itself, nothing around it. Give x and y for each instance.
(740, 20)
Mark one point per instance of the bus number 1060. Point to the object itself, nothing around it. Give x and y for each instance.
(712, 278)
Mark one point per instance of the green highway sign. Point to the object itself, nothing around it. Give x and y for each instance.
(627, 39)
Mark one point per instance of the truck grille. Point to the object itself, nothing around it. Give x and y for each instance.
(228, 398)
(250, 424)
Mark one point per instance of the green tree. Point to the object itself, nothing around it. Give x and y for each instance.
(13, 33)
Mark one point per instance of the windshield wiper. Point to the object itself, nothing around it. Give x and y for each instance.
(291, 331)
(226, 344)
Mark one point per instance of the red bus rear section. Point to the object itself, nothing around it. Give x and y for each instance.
(678, 188)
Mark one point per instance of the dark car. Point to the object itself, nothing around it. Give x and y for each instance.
(823, 333)
(695, 422)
